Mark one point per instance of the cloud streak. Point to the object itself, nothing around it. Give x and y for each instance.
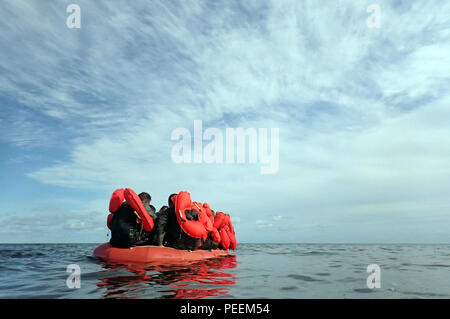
(362, 113)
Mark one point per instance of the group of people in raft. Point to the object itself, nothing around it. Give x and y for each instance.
(183, 224)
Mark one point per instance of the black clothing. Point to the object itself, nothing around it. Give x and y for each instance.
(151, 210)
(187, 242)
(125, 229)
(209, 243)
(169, 233)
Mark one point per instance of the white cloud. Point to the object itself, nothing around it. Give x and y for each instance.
(52, 224)
(363, 114)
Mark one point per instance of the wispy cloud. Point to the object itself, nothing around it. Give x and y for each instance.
(363, 113)
(53, 224)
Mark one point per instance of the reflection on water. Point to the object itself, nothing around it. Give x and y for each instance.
(189, 280)
(257, 271)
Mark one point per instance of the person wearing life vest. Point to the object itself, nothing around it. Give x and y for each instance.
(169, 232)
(167, 229)
(222, 223)
(146, 199)
(127, 227)
(163, 208)
(213, 240)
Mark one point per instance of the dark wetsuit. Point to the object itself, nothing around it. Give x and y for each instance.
(151, 210)
(125, 230)
(209, 243)
(169, 232)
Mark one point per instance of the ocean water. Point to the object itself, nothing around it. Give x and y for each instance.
(254, 271)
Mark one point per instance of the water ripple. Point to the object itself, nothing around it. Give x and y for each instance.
(255, 271)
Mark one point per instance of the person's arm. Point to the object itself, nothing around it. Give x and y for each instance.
(152, 212)
(161, 227)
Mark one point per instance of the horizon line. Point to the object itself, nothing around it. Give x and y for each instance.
(256, 243)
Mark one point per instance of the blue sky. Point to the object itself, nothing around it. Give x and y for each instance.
(363, 115)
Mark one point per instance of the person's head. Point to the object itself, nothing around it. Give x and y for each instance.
(171, 203)
(163, 208)
(145, 197)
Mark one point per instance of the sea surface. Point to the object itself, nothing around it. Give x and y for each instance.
(254, 271)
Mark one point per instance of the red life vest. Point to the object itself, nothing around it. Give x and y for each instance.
(108, 221)
(225, 240)
(215, 236)
(222, 222)
(203, 216)
(115, 202)
(117, 199)
(214, 232)
(208, 212)
(219, 220)
(135, 202)
(193, 228)
(233, 242)
(230, 232)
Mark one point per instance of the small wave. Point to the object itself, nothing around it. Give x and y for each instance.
(317, 253)
(389, 249)
(427, 265)
(323, 274)
(303, 278)
(289, 288)
(8, 268)
(21, 254)
(363, 290)
(423, 294)
(437, 265)
(348, 279)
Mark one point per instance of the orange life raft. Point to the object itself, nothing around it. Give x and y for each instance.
(151, 254)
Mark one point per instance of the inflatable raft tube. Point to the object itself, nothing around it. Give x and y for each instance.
(151, 254)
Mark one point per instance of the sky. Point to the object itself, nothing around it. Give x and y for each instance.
(362, 114)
